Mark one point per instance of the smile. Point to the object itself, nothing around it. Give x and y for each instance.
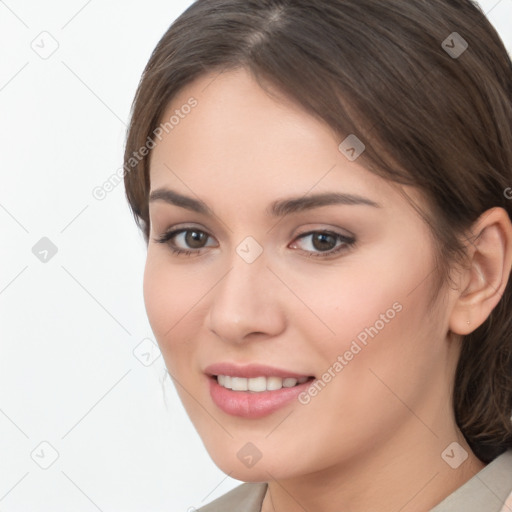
(258, 384)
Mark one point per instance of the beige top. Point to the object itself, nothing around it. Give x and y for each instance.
(490, 490)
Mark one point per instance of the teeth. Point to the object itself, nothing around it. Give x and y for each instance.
(258, 384)
(289, 382)
(239, 384)
(274, 383)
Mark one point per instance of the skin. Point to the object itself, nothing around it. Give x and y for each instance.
(372, 439)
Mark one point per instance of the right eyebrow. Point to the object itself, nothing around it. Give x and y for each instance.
(172, 197)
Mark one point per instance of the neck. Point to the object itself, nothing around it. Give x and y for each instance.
(404, 475)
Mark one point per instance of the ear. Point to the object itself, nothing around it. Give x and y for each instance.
(484, 279)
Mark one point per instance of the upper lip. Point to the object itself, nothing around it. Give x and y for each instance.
(250, 371)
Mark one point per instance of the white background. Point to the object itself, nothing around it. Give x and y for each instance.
(69, 327)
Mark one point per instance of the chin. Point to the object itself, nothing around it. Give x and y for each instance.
(263, 470)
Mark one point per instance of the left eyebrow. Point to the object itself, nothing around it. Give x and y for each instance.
(283, 207)
(278, 208)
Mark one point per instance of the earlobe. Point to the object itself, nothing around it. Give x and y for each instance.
(485, 278)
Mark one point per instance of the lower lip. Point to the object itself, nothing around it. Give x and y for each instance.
(253, 405)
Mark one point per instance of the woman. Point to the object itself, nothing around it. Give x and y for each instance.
(324, 188)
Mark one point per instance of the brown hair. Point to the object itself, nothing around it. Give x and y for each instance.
(380, 69)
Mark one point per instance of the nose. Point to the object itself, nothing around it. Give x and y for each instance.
(247, 303)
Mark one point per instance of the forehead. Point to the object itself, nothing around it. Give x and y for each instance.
(234, 114)
(241, 141)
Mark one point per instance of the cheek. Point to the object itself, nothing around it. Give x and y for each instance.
(379, 317)
(384, 288)
(359, 300)
(390, 348)
(169, 304)
(157, 299)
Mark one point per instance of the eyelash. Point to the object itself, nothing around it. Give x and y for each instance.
(347, 242)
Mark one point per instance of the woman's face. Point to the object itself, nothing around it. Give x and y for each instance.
(277, 286)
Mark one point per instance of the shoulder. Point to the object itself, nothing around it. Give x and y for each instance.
(490, 490)
(247, 497)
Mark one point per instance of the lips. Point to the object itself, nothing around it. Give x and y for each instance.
(254, 390)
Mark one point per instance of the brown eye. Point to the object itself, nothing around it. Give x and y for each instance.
(324, 241)
(185, 241)
(195, 239)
